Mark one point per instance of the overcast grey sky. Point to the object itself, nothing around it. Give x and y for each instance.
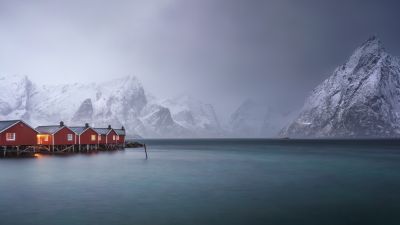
(221, 51)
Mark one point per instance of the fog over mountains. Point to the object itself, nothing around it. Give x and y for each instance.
(118, 102)
(255, 119)
(360, 99)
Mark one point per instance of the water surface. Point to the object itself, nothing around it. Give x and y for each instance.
(208, 182)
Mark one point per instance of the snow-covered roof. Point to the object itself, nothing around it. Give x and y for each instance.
(7, 123)
(120, 131)
(78, 130)
(103, 131)
(48, 129)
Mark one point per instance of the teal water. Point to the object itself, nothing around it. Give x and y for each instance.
(208, 182)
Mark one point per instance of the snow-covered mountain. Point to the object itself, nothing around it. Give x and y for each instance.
(360, 99)
(118, 102)
(255, 119)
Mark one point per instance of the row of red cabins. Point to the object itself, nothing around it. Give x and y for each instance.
(17, 133)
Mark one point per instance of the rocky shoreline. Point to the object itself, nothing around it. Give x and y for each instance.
(133, 144)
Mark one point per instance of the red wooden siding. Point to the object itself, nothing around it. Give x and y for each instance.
(112, 137)
(121, 139)
(85, 137)
(102, 139)
(61, 137)
(24, 135)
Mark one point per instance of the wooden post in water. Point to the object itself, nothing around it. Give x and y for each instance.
(145, 150)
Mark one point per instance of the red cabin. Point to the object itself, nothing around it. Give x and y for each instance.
(112, 137)
(120, 136)
(56, 135)
(16, 133)
(86, 135)
(106, 135)
(102, 137)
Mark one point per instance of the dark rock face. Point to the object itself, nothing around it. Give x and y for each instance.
(133, 144)
(84, 113)
(361, 99)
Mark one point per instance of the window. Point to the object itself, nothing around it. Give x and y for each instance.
(118, 138)
(69, 137)
(93, 137)
(99, 137)
(10, 136)
(113, 137)
(46, 138)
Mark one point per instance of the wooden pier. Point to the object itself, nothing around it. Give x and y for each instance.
(18, 139)
(30, 151)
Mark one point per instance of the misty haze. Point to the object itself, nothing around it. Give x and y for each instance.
(199, 112)
(184, 69)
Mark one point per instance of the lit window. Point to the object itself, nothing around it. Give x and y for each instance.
(69, 137)
(118, 138)
(46, 138)
(99, 137)
(113, 137)
(93, 137)
(10, 136)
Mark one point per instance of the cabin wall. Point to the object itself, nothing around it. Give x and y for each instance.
(61, 137)
(121, 139)
(103, 139)
(24, 135)
(85, 137)
(110, 137)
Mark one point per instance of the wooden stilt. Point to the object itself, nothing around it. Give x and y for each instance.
(145, 150)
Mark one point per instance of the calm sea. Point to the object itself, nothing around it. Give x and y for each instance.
(208, 182)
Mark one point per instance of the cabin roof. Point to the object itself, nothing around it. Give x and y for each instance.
(120, 131)
(80, 130)
(103, 131)
(52, 129)
(7, 123)
(48, 129)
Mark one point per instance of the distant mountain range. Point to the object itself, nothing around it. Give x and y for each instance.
(118, 102)
(360, 99)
